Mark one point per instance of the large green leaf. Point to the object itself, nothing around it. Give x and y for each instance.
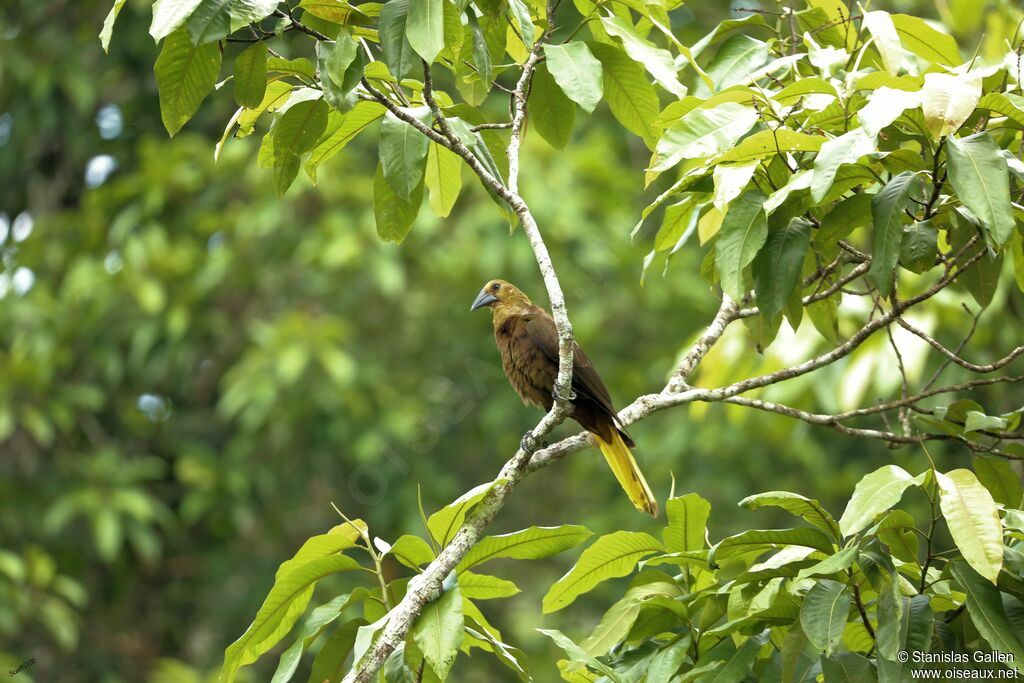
(846, 667)
(919, 37)
(808, 509)
(185, 75)
(609, 557)
(168, 15)
(776, 268)
(879, 24)
(823, 614)
(631, 98)
(425, 27)
(845, 149)
(1001, 480)
(394, 215)
(485, 587)
(438, 631)
(341, 129)
(579, 655)
(978, 173)
(341, 66)
(771, 142)
(295, 133)
(730, 180)
(403, 155)
(314, 624)
(445, 522)
(107, 32)
(329, 664)
(737, 666)
(210, 21)
(985, 607)
(251, 75)
(658, 61)
(919, 246)
(412, 551)
(551, 112)
(873, 495)
(973, 521)
(766, 539)
(687, 522)
(884, 106)
(887, 234)
(534, 543)
(947, 100)
(577, 72)
(743, 233)
(399, 56)
(702, 133)
(284, 604)
(443, 177)
(738, 57)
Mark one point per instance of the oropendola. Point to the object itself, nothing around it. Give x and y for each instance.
(528, 342)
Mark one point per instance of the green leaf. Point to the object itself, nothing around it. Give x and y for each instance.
(631, 98)
(251, 76)
(985, 607)
(999, 103)
(577, 72)
(739, 56)
(833, 564)
(341, 129)
(168, 15)
(295, 133)
(887, 212)
(776, 268)
(973, 521)
(880, 25)
(485, 586)
(845, 149)
(283, 606)
(736, 667)
(667, 661)
(329, 664)
(730, 180)
(771, 142)
(425, 28)
(403, 155)
(108, 24)
(210, 22)
(873, 495)
(394, 215)
(823, 614)
(399, 56)
(551, 111)
(534, 543)
(609, 557)
(978, 173)
(341, 66)
(884, 106)
(1000, 479)
(578, 654)
(919, 37)
(919, 246)
(765, 539)
(412, 551)
(445, 522)
(278, 92)
(438, 631)
(314, 624)
(687, 522)
(807, 509)
(443, 177)
(744, 231)
(947, 100)
(659, 62)
(702, 133)
(335, 11)
(846, 667)
(978, 421)
(185, 75)
(615, 625)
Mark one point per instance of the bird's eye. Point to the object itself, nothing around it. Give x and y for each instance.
(495, 286)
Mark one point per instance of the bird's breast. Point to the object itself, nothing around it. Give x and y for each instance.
(530, 372)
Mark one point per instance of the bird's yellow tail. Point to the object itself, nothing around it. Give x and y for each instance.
(628, 473)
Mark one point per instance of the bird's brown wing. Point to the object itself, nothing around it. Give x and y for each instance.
(585, 380)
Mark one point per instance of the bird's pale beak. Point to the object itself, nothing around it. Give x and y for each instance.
(484, 298)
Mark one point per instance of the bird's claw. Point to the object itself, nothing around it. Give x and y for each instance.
(558, 397)
(526, 443)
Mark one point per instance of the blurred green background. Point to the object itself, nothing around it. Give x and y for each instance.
(192, 370)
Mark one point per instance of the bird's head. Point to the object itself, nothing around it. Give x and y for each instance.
(498, 293)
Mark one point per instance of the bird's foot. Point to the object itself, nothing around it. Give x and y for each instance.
(526, 443)
(558, 397)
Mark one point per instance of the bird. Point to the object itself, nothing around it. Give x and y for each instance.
(527, 340)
